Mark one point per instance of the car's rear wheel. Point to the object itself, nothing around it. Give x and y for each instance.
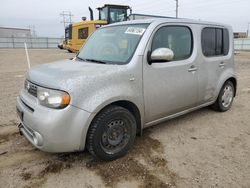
(111, 133)
(225, 98)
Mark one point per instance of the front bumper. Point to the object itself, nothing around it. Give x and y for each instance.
(52, 130)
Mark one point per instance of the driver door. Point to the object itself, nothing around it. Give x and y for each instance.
(171, 87)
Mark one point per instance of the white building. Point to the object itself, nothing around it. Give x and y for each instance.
(14, 32)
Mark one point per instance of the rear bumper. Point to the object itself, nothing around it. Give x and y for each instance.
(53, 130)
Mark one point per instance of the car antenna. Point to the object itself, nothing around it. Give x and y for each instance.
(27, 54)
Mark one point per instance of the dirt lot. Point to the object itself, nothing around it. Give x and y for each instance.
(200, 149)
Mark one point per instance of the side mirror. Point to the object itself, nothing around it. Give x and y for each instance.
(161, 55)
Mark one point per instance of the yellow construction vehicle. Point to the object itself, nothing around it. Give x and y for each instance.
(77, 33)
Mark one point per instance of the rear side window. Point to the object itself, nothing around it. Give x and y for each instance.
(219, 42)
(177, 38)
(225, 41)
(214, 41)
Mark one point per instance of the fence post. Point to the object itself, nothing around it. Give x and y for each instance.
(13, 42)
(248, 44)
(31, 44)
(242, 44)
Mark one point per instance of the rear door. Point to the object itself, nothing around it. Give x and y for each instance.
(171, 87)
(214, 60)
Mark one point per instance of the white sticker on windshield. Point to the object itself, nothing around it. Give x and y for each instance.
(135, 30)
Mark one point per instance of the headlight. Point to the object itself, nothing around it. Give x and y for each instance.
(52, 98)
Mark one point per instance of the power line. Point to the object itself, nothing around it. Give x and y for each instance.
(209, 4)
(143, 6)
(177, 6)
(125, 2)
(169, 7)
(198, 5)
(164, 12)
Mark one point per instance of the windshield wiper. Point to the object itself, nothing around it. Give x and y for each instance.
(96, 61)
(80, 58)
(91, 60)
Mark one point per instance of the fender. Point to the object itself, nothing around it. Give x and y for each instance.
(227, 74)
(110, 95)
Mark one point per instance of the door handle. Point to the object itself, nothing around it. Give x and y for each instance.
(222, 64)
(192, 69)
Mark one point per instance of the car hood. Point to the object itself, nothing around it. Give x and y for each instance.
(68, 74)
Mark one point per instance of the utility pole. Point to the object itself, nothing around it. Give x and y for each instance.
(67, 18)
(177, 6)
(32, 30)
(248, 24)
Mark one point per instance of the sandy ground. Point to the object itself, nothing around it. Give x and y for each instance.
(200, 149)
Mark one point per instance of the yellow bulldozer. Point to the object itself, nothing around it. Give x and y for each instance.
(77, 33)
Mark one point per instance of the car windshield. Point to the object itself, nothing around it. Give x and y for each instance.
(113, 45)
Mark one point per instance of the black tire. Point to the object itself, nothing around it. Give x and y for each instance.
(112, 133)
(219, 105)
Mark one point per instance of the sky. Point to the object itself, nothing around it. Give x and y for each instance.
(45, 14)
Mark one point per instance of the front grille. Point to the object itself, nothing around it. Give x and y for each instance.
(31, 88)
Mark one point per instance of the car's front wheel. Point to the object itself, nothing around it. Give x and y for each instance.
(111, 133)
(225, 98)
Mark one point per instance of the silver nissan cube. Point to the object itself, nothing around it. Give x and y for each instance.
(128, 76)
